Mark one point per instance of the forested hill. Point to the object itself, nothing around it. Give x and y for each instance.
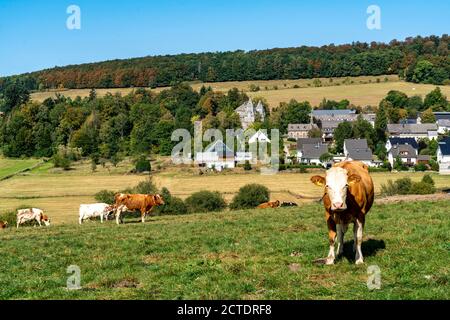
(419, 59)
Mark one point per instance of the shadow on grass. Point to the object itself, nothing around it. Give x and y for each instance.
(369, 248)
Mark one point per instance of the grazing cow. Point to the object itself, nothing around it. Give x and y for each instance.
(94, 210)
(24, 215)
(348, 197)
(265, 205)
(130, 202)
(3, 224)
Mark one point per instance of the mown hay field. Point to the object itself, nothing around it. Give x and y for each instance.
(59, 193)
(362, 91)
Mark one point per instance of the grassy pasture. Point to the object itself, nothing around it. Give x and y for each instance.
(12, 166)
(254, 254)
(363, 91)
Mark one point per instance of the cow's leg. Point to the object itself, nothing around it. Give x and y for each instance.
(341, 230)
(101, 217)
(332, 239)
(358, 231)
(118, 212)
(143, 215)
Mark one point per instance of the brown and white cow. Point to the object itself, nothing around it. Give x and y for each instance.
(266, 205)
(348, 197)
(24, 215)
(131, 202)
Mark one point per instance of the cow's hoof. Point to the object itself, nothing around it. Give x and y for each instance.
(329, 262)
(359, 261)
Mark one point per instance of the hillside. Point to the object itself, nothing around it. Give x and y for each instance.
(419, 59)
(254, 254)
(360, 91)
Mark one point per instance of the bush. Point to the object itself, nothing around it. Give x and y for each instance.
(105, 196)
(247, 166)
(61, 161)
(389, 189)
(10, 217)
(250, 196)
(205, 201)
(422, 188)
(420, 167)
(64, 156)
(143, 164)
(145, 187)
(406, 186)
(173, 205)
(428, 179)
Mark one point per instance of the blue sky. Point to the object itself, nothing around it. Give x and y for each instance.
(33, 33)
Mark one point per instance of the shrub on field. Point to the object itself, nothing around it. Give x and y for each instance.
(403, 185)
(247, 166)
(10, 217)
(428, 179)
(422, 188)
(420, 167)
(143, 164)
(173, 205)
(205, 201)
(105, 196)
(250, 196)
(145, 187)
(406, 186)
(389, 189)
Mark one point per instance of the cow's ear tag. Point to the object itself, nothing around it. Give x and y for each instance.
(318, 181)
(354, 178)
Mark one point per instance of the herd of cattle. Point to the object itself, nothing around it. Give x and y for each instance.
(348, 196)
(122, 203)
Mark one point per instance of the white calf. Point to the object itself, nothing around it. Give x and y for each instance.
(94, 210)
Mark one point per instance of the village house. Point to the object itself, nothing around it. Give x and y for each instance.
(248, 113)
(328, 128)
(443, 156)
(416, 131)
(217, 156)
(297, 131)
(443, 126)
(260, 136)
(357, 149)
(405, 152)
(397, 141)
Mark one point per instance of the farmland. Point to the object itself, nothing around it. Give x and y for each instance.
(361, 91)
(253, 254)
(60, 192)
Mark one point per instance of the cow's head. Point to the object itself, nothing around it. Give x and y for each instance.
(159, 199)
(336, 185)
(45, 219)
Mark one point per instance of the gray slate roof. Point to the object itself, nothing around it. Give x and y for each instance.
(358, 149)
(412, 128)
(410, 141)
(403, 151)
(314, 151)
(442, 115)
(302, 141)
(318, 112)
(444, 145)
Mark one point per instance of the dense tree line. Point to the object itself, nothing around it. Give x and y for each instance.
(418, 59)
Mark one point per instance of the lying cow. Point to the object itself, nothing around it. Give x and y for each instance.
(348, 197)
(265, 205)
(95, 210)
(131, 202)
(25, 215)
(3, 224)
